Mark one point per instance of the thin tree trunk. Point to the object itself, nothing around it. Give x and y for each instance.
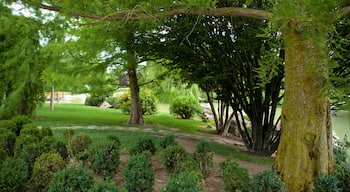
(136, 109)
(52, 95)
(305, 148)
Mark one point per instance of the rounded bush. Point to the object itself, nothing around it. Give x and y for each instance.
(7, 142)
(31, 130)
(13, 175)
(184, 182)
(105, 159)
(144, 145)
(148, 103)
(326, 183)
(44, 168)
(94, 101)
(106, 186)
(234, 176)
(167, 140)
(46, 131)
(185, 107)
(267, 181)
(139, 174)
(342, 173)
(113, 101)
(19, 122)
(80, 143)
(71, 179)
(204, 157)
(173, 158)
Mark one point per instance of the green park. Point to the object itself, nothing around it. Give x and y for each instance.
(174, 96)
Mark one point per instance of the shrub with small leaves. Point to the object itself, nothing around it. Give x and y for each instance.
(46, 131)
(113, 101)
(7, 142)
(184, 182)
(204, 157)
(326, 183)
(139, 174)
(173, 158)
(267, 181)
(105, 159)
(19, 122)
(234, 176)
(185, 107)
(44, 168)
(106, 186)
(144, 145)
(342, 173)
(71, 179)
(13, 175)
(80, 143)
(167, 140)
(148, 103)
(94, 101)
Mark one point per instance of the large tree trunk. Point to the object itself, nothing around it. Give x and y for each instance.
(305, 148)
(136, 109)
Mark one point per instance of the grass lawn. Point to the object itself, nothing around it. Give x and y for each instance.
(68, 115)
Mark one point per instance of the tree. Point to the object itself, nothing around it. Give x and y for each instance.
(21, 86)
(305, 148)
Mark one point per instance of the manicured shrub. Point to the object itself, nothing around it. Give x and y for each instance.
(24, 140)
(105, 159)
(184, 182)
(7, 142)
(148, 103)
(138, 174)
(144, 145)
(173, 158)
(71, 179)
(51, 144)
(106, 186)
(185, 107)
(19, 122)
(13, 175)
(31, 130)
(342, 173)
(45, 166)
(30, 152)
(80, 143)
(46, 131)
(234, 176)
(267, 181)
(326, 183)
(204, 157)
(94, 101)
(113, 101)
(167, 140)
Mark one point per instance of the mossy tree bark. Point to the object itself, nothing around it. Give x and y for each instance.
(305, 148)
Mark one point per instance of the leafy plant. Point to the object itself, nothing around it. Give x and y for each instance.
(340, 151)
(144, 145)
(7, 142)
(173, 157)
(148, 103)
(106, 186)
(139, 174)
(105, 159)
(342, 173)
(113, 101)
(204, 157)
(13, 175)
(71, 179)
(185, 107)
(167, 140)
(94, 101)
(44, 168)
(184, 182)
(80, 143)
(234, 176)
(326, 183)
(267, 181)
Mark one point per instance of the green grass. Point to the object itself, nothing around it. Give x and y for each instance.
(68, 115)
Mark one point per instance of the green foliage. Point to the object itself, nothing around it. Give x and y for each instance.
(340, 151)
(342, 173)
(113, 101)
(105, 159)
(13, 175)
(31, 130)
(167, 140)
(80, 143)
(45, 166)
(204, 157)
(19, 122)
(144, 145)
(46, 131)
(106, 186)
(326, 183)
(173, 157)
(268, 180)
(234, 176)
(185, 107)
(51, 144)
(94, 101)
(184, 182)
(139, 174)
(148, 103)
(71, 179)
(7, 142)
